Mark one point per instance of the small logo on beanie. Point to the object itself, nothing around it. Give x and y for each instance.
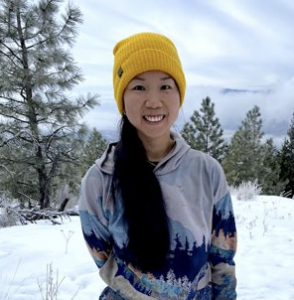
(120, 72)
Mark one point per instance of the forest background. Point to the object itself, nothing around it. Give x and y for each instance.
(46, 148)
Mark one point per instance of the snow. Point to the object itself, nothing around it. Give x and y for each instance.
(264, 260)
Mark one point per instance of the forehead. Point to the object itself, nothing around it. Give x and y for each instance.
(158, 75)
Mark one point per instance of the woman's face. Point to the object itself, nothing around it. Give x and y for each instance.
(152, 103)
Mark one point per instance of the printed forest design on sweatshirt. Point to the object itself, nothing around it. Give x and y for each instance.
(184, 271)
(196, 261)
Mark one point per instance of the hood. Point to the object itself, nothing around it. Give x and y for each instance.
(106, 164)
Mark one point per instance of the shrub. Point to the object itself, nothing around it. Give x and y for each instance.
(246, 190)
(8, 214)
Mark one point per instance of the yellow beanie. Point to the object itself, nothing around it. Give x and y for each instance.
(141, 53)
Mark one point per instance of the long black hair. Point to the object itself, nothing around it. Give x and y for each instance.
(144, 207)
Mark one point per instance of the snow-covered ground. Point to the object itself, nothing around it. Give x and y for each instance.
(265, 257)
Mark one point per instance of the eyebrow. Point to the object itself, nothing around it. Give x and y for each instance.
(142, 79)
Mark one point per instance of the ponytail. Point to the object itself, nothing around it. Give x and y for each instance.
(144, 207)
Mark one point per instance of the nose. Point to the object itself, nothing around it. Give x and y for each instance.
(153, 99)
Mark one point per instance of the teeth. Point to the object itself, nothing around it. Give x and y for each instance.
(154, 118)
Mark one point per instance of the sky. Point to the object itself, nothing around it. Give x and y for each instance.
(239, 53)
(264, 259)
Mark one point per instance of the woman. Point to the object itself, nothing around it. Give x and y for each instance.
(156, 215)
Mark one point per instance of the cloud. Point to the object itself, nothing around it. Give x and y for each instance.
(245, 47)
(231, 106)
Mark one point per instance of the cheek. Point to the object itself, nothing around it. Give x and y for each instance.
(175, 112)
(130, 105)
(126, 102)
(175, 105)
(132, 109)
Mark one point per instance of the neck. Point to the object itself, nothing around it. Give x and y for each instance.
(157, 149)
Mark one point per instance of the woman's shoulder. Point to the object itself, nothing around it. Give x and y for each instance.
(105, 163)
(102, 167)
(197, 156)
(187, 158)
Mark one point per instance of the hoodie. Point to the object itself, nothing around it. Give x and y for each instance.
(202, 224)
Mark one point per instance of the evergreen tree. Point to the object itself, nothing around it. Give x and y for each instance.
(286, 157)
(245, 157)
(204, 132)
(39, 118)
(93, 149)
(270, 181)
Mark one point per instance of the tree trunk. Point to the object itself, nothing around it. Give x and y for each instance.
(63, 204)
(44, 199)
(44, 188)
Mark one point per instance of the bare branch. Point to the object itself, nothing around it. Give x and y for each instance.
(11, 51)
(6, 169)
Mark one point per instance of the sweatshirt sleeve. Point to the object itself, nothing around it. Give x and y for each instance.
(93, 217)
(223, 241)
(222, 250)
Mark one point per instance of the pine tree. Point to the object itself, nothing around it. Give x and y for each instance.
(270, 181)
(204, 132)
(93, 149)
(39, 118)
(244, 159)
(286, 158)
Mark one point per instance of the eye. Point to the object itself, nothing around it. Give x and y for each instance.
(165, 87)
(138, 88)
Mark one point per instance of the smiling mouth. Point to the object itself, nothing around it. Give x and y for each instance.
(154, 119)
